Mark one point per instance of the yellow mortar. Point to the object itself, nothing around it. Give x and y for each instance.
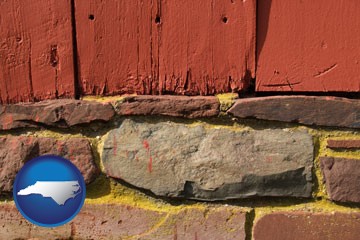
(227, 100)
(104, 99)
(320, 141)
(105, 190)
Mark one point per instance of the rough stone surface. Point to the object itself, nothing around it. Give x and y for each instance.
(14, 226)
(176, 106)
(307, 226)
(179, 160)
(325, 111)
(343, 144)
(342, 178)
(17, 150)
(59, 113)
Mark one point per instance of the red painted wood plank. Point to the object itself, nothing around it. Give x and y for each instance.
(158, 46)
(306, 45)
(206, 47)
(114, 41)
(36, 60)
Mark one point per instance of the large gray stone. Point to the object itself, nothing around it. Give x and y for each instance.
(196, 162)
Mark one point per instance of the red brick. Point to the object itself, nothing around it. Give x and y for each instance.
(342, 178)
(343, 144)
(176, 106)
(111, 221)
(308, 110)
(15, 151)
(118, 221)
(225, 223)
(57, 113)
(308, 226)
(14, 226)
(308, 46)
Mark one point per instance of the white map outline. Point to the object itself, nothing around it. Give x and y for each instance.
(59, 191)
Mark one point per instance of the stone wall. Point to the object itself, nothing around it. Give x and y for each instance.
(176, 167)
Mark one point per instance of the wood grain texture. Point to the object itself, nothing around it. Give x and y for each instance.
(114, 41)
(206, 47)
(36, 54)
(306, 45)
(165, 46)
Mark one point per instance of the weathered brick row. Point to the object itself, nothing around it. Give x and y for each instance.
(342, 178)
(176, 106)
(15, 151)
(117, 221)
(308, 226)
(323, 111)
(58, 113)
(343, 144)
(178, 160)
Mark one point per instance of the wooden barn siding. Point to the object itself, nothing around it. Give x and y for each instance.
(165, 46)
(308, 46)
(36, 54)
(184, 47)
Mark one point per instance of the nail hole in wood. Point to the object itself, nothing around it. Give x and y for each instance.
(225, 19)
(91, 17)
(157, 20)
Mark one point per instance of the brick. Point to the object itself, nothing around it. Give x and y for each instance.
(343, 144)
(118, 221)
(225, 223)
(176, 106)
(323, 111)
(57, 113)
(15, 151)
(301, 226)
(109, 221)
(15, 226)
(342, 177)
(178, 160)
